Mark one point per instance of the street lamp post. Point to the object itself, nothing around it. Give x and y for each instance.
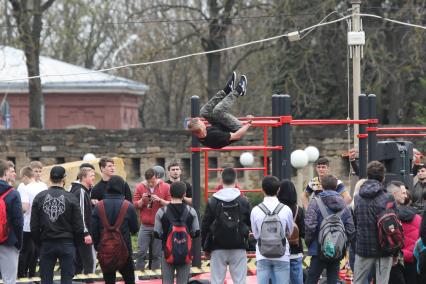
(313, 155)
(299, 159)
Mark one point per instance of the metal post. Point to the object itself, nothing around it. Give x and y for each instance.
(275, 137)
(286, 138)
(363, 108)
(372, 135)
(356, 66)
(195, 172)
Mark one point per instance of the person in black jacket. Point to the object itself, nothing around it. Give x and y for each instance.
(288, 196)
(227, 244)
(107, 167)
(9, 249)
(113, 201)
(84, 260)
(57, 224)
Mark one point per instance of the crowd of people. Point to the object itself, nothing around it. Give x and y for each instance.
(382, 228)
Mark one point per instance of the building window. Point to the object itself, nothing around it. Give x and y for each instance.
(212, 165)
(160, 162)
(136, 167)
(12, 159)
(186, 168)
(60, 160)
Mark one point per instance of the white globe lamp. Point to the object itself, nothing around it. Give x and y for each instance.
(246, 159)
(299, 159)
(313, 153)
(89, 157)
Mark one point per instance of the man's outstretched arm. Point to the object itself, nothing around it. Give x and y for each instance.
(237, 135)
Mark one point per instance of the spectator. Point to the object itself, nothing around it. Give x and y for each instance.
(150, 195)
(419, 187)
(175, 174)
(11, 176)
(314, 186)
(28, 190)
(113, 201)
(175, 212)
(288, 196)
(334, 204)
(370, 202)
(278, 268)
(227, 244)
(56, 223)
(107, 167)
(9, 248)
(405, 270)
(84, 260)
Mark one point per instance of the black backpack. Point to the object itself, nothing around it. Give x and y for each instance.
(391, 235)
(228, 230)
(178, 246)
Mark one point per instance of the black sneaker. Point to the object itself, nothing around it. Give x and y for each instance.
(231, 83)
(241, 87)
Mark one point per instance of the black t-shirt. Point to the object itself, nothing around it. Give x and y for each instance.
(188, 188)
(217, 137)
(99, 190)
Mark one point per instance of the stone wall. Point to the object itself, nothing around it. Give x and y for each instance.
(143, 148)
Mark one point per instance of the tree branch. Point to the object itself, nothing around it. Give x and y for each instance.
(46, 5)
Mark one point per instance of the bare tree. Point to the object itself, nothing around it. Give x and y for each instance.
(28, 16)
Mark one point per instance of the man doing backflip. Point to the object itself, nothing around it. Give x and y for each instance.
(224, 128)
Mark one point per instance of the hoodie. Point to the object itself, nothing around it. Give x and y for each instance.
(411, 226)
(288, 196)
(369, 203)
(113, 201)
(83, 196)
(334, 203)
(227, 194)
(15, 217)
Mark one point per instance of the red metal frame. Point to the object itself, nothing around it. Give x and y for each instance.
(265, 122)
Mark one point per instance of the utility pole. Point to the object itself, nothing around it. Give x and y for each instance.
(356, 52)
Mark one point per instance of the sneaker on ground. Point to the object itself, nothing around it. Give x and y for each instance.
(230, 85)
(241, 87)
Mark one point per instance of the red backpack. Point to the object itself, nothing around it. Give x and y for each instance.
(179, 241)
(4, 226)
(112, 250)
(391, 235)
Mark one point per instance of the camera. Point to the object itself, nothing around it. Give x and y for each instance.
(149, 205)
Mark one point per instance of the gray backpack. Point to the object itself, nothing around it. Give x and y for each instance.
(272, 241)
(332, 235)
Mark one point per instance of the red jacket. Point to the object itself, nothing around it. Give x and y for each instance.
(147, 215)
(411, 235)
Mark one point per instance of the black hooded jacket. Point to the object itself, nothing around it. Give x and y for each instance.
(288, 196)
(83, 196)
(113, 200)
(56, 216)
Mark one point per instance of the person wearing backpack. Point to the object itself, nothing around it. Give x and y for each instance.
(56, 224)
(270, 221)
(113, 244)
(176, 225)
(329, 228)
(225, 230)
(288, 196)
(372, 202)
(11, 227)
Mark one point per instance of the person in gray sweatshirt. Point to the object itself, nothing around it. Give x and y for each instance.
(225, 230)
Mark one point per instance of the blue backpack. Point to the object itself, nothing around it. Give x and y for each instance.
(420, 255)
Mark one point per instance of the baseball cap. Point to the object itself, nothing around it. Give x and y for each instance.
(57, 172)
